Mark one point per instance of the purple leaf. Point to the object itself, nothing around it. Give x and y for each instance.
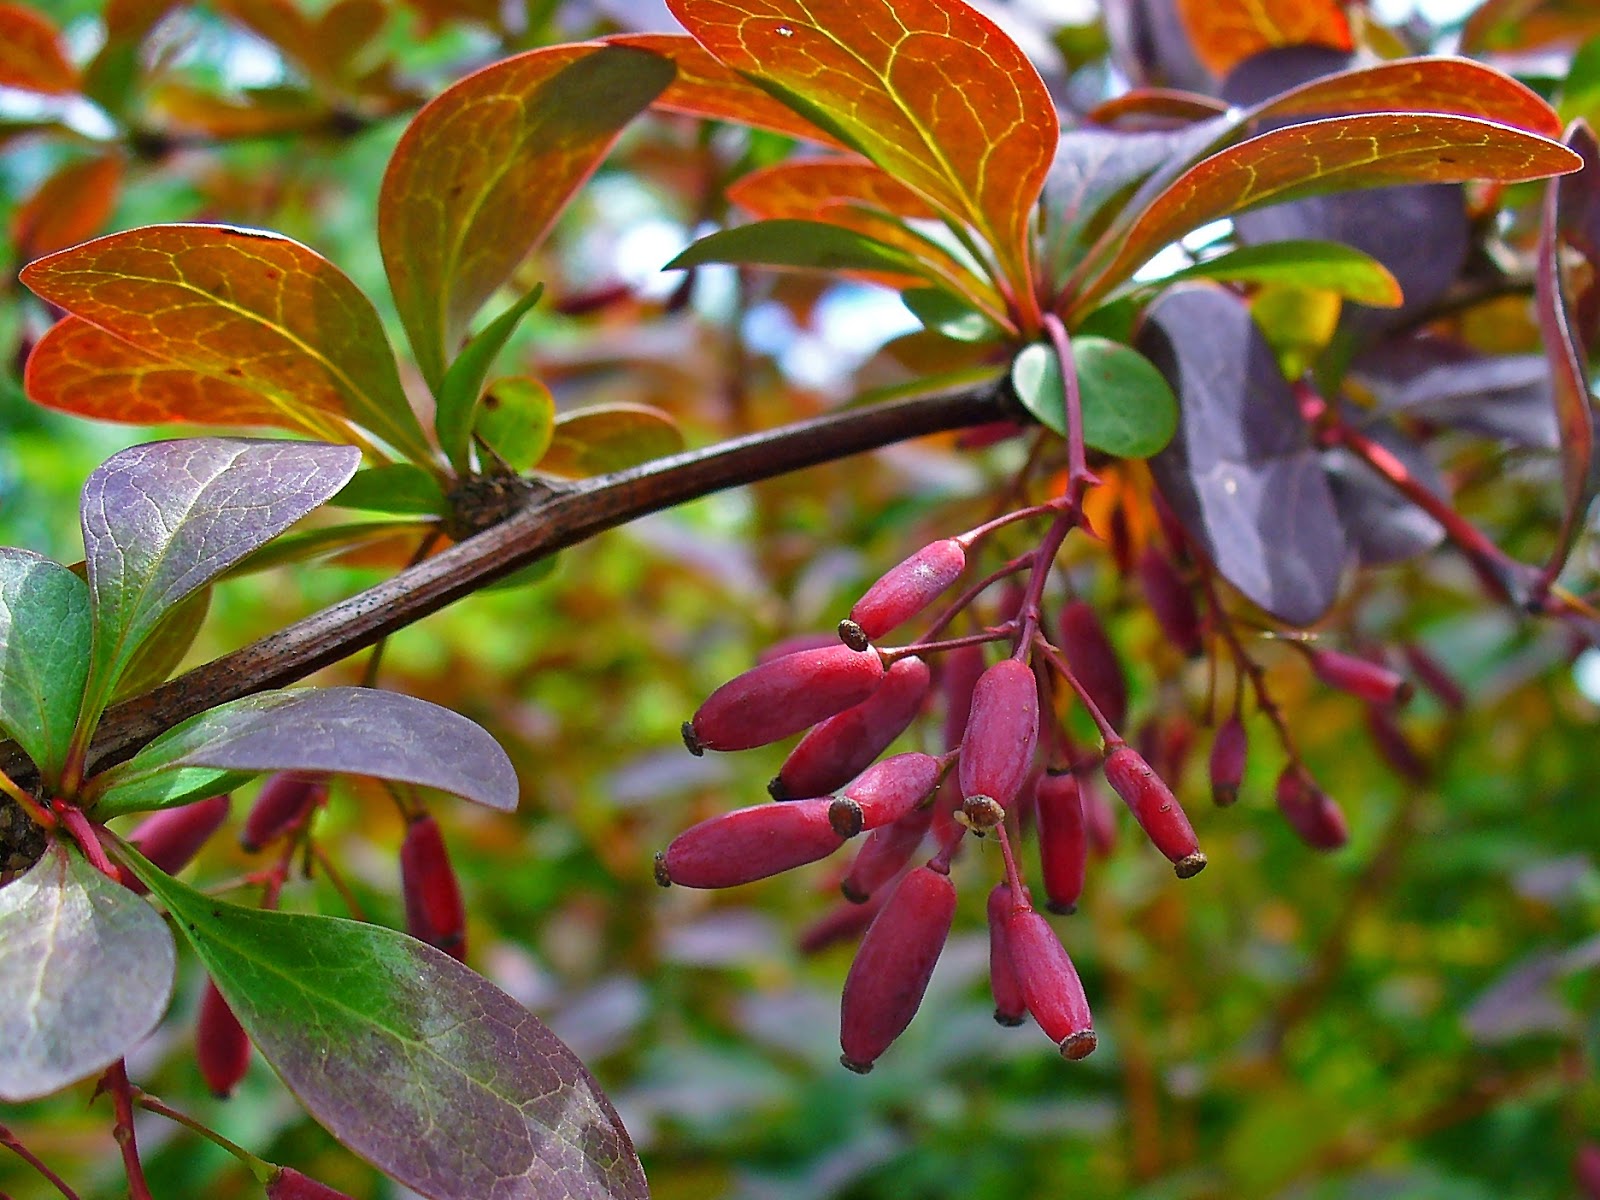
(1443, 382)
(1241, 474)
(86, 972)
(409, 1058)
(1381, 525)
(357, 731)
(165, 518)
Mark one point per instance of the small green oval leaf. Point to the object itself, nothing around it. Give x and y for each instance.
(1128, 409)
(44, 655)
(610, 437)
(393, 488)
(948, 315)
(803, 245)
(517, 420)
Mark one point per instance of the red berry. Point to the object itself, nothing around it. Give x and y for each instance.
(1228, 752)
(284, 800)
(1063, 840)
(909, 588)
(1365, 680)
(1050, 985)
(1156, 809)
(959, 671)
(888, 791)
(1009, 1007)
(434, 911)
(1099, 817)
(1436, 677)
(843, 746)
(843, 922)
(1311, 813)
(783, 696)
(221, 1047)
(1002, 731)
(1394, 745)
(749, 844)
(1170, 601)
(1586, 1170)
(288, 1184)
(172, 837)
(1094, 661)
(893, 965)
(883, 854)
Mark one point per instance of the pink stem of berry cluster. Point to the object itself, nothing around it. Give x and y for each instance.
(116, 1082)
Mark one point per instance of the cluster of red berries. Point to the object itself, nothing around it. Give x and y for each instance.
(1004, 770)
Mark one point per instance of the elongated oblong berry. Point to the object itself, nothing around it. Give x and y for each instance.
(1170, 601)
(434, 911)
(1436, 677)
(884, 853)
(959, 672)
(909, 588)
(1063, 841)
(839, 749)
(288, 1184)
(889, 790)
(1393, 744)
(1094, 661)
(1050, 986)
(1229, 749)
(1002, 731)
(1156, 809)
(1009, 1007)
(282, 803)
(891, 969)
(844, 922)
(220, 1046)
(783, 696)
(1313, 815)
(172, 837)
(749, 844)
(1360, 677)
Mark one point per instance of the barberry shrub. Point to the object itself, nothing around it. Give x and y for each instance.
(1233, 351)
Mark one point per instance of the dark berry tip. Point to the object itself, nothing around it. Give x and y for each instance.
(662, 877)
(775, 788)
(1061, 908)
(1009, 1020)
(1190, 865)
(845, 815)
(1224, 795)
(1079, 1045)
(692, 740)
(850, 1064)
(853, 894)
(853, 635)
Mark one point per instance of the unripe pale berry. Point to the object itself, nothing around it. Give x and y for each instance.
(1009, 1007)
(434, 911)
(288, 1184)
(1156, 809)
(1063, 840)
(749, 844)
(221, 1048)
(1228, 752)
(285, 799)
(1050, 985)
(883, 854)
(1311, 812)
(893, 965)
(781, 697)
(1094, 661)
(909, 588)
(1002, 731)
(1170, 601)
(172, 837)
(1365, 680)
(839, 749)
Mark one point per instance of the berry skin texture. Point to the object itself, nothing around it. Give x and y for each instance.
(172, 837)
(1228, 753)
(884, 852)
(1050, 985)
(749, 844)
(288, 1184)
(1313, 815)
(434, 911)
(839, 749)
(1156, 809)
(1063, 841)
(221, 1048)
(1094, 661)
(284, 801)
(893, 965)
(1359, 677)
(909, 588)
(783, 696)
(1002, 731)
(1009, 1006)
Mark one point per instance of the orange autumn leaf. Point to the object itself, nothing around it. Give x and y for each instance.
(32, 56)
(69, 207)
(1226, 32)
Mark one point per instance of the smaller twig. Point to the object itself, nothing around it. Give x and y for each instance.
(116, 1082)
(259, 1167)
(12, 1143)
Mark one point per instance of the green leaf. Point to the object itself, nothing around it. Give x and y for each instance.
(393, 488)
(1128, 409)
(160, 653)
(517, 420)
(462, 387)
(609, 437)
(44, 655)
(805, 245)
(1325, 266)
(948, 315)
(407, 1057)
(86, 973)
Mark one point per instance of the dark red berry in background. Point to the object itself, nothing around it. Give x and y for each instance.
(1229, 750)
(883, 854)
(283, 802)
(1094, 661)
(1311, 813)
(783, 696)
(220, 1046)
(891, 969)
(1586, 1170)
(289, 1184)
(749, 844)
(1170, 601)
(1156, 809)
(959, 671)
(1394, 746)
(888, 791)
(434, 911)
(843, 746)
(844, 922)
(1063, 840)
(1435, 676)
(909, 588)
(172, 837)
(1009, 1007)
(1360, 677)
(1002, 731)
(1050, 986)
(1099, 817)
